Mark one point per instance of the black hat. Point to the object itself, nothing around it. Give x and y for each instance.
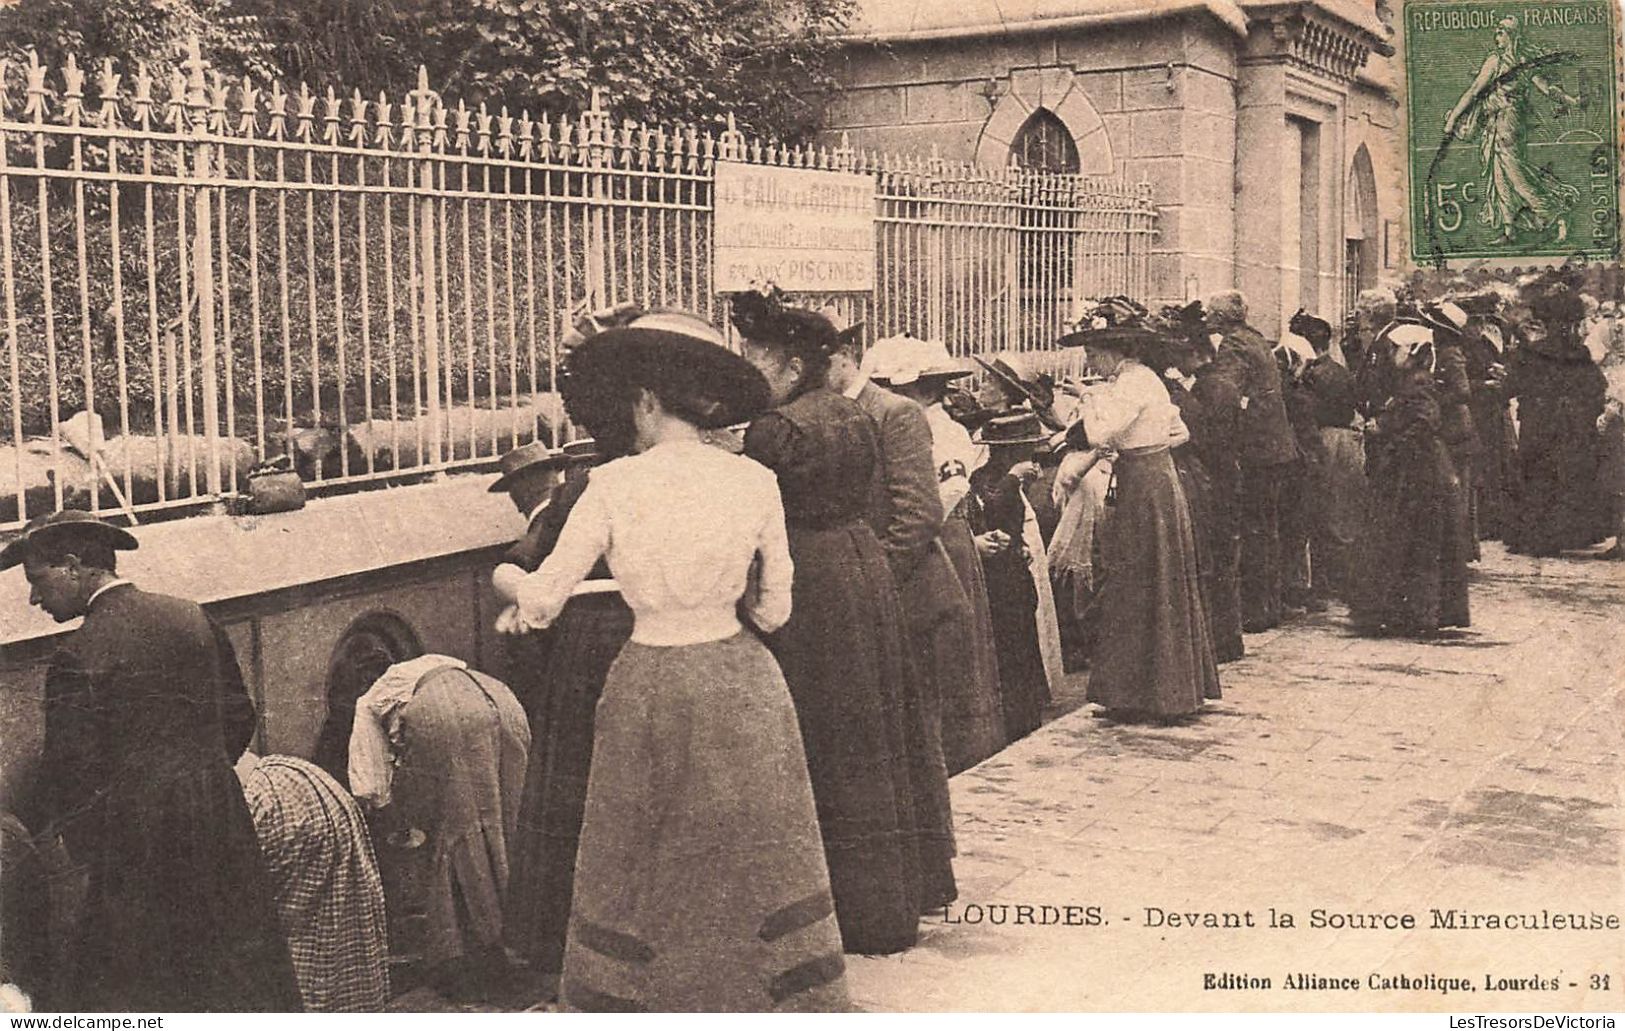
(1018, 428)
(1310, 326)
(682, 358)
(1129, 340)
(525, 457)
(64, 526)
(765, 316)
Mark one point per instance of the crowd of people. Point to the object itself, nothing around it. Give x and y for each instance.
(758, 619)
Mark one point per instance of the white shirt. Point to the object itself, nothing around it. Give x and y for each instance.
(688, 530)
(377, 725)
(1131, 410)
(954, 455)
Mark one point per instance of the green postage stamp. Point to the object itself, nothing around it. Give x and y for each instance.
(1513, 123)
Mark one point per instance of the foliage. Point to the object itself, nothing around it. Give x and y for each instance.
(131, 31)
(677, 61)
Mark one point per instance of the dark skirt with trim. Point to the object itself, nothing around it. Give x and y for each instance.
(586, 638)
(1155, 656)
(700, 881)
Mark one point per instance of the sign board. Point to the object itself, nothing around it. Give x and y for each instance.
(805, 230)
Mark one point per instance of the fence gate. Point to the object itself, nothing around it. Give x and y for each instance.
(196, 275)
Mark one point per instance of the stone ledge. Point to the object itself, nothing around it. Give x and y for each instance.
(220, 559)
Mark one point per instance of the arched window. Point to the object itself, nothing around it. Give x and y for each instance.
(1045, 151)
(371, 645)
(1043, 144)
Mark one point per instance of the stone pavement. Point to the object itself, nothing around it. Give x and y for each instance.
(1479, 772)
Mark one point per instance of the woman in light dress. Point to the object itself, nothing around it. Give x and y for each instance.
(700, 881)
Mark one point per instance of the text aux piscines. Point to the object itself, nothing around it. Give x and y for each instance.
(1379, 982)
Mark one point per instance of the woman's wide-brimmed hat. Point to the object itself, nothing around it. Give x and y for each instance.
(683, 359)
(526, 457)
(1446, 315)
(1128, 340)
(1018, 429)
(901, 360)
(62, 526)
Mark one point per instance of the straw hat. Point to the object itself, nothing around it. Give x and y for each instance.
(681, 357)
(901, 360)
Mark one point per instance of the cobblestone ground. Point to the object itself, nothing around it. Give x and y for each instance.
(1347, 774)
(1480, 772)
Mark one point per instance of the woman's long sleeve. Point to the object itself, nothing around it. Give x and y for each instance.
(767, 602)
(542, 595)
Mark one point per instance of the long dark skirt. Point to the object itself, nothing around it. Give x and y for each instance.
(1337, 493)
(1260, 518)
(1155, 657)
(1559, 507)
(844, 656)
(972, 724)
(180, 916)
(1412, 564)
(1198, 490)
(1495, 470)
(700, 883)
(1014, 603)
(585, 640)
(937, 619)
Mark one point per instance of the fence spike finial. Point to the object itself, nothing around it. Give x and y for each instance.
(219, 93)
(482, 128)
(142, 101)
(385, 112)
(504, 132)
(358, 119)
(277, 104)
(524, 129)
(331, 109)
(306, 113)
(35, 106)
(107, 84)
(73, 93)
(248, 107)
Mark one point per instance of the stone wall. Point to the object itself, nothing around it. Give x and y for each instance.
(288, 587)
(1150, 102)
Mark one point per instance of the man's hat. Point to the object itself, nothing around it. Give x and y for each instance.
(1021, 428)
(524, 458)
(65, 526)
(583, 450)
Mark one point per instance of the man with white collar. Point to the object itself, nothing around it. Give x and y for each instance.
(145, 712)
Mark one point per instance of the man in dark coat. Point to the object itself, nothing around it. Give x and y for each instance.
(145, 712)
(1267, 448)
(1453, 385)
(905, 510)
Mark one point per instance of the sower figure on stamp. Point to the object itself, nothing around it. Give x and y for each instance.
(1495, 108)
(1267, 446)
(145, 711)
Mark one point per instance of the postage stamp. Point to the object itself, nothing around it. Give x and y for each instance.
(1513, 122)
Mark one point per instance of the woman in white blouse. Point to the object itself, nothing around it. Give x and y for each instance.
(1154, 659)
(700, 882)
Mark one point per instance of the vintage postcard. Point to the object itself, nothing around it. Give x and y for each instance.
(908, 506)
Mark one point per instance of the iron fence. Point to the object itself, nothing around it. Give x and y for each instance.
(197, 274)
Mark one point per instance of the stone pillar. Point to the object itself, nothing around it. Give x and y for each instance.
(1261, 149)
